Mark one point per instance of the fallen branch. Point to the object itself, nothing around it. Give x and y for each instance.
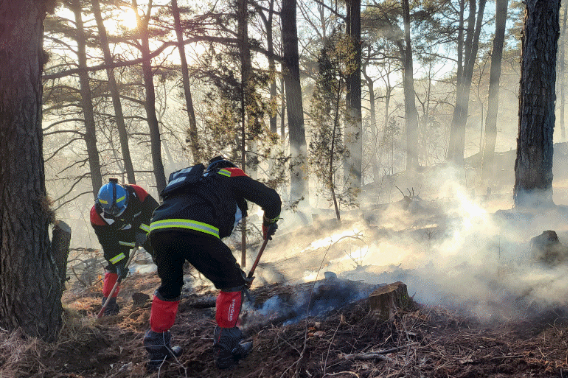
(378, 355)
(365, 356)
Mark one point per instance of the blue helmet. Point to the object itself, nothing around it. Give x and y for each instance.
(113, 198)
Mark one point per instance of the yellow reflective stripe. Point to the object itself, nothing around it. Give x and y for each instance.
(271, 221)
(224, 172)
(120, 199)
(127, 244)
(117, 258)
(145, 227)
(185, 223)
(103, 201)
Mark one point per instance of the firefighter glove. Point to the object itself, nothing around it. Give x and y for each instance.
(140, 238)
(248, 280)
(121, 270)
(269, 227)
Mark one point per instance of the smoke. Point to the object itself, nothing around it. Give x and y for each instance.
(451, 247)
(308, 300)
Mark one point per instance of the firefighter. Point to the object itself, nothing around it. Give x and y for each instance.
(189, 225)
(121, 220)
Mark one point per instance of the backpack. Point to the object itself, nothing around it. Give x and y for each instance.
(183, 179)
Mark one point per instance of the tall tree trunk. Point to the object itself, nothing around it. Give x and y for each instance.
(246, 92)
(297, 132)
(354, 127)
(282, 110)
(193, 134)
(86, 101)
(373, 124)
(493, 100)
(30, 286)
(272, 70)
(456, 148)
(117, 105)
(563, 75)
(150, 104)
(411, 114)
(533, 166)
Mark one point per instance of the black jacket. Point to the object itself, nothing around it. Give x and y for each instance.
(117, 235)
(214, 202)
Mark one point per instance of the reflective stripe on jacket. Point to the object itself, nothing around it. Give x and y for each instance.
(186, 224)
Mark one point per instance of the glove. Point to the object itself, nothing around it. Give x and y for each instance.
(121, 271)
(140, 238)
(248, 281)
(268, 229)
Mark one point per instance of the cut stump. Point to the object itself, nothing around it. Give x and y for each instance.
(387, 299)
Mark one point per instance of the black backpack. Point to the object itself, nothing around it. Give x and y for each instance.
(183, 179)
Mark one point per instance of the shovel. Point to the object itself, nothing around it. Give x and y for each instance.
(118, 281)
(259, 255)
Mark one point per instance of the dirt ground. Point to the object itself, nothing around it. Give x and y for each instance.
(305, 324)
(347, 341)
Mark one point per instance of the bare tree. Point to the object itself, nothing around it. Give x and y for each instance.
(86, 99)
(456, 146)
(193, 135)
(297, 132)
(150, 104)
(411, 114)
(354, 127)
(494, 78)
(115, 94)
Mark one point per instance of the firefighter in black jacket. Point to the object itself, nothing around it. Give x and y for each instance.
(189, 225)
(121, 220)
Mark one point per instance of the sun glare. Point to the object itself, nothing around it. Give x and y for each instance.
(127, 19)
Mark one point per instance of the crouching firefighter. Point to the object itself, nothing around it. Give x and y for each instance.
(121, 220)
(200, 207)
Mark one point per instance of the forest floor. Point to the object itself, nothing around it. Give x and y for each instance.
(347, 341)
(482, 306)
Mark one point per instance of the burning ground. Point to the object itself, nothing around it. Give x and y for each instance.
(483, 303)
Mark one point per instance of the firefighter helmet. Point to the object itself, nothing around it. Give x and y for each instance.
(113, 198)
(219, 162)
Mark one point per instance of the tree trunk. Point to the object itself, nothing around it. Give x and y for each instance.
(563, 76)
(493, 99)
(411, 114)
(87, 102)
(60, 241)
(246, 89)
(193, 134)
(354, 127)
(456, 146)
(282, 111)
(30, 288)
(150, 104)
(296, 129)
(373, 124)
(115, 95)
(533, 166)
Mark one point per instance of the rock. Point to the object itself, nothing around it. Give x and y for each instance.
(139, 299)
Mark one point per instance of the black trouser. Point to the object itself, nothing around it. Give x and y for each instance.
(208, 254)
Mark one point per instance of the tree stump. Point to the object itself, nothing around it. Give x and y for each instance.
(387, 299)
(60, 241)
(547, 249)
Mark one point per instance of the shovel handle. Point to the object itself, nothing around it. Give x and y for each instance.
(118, 281)
(257, 258)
